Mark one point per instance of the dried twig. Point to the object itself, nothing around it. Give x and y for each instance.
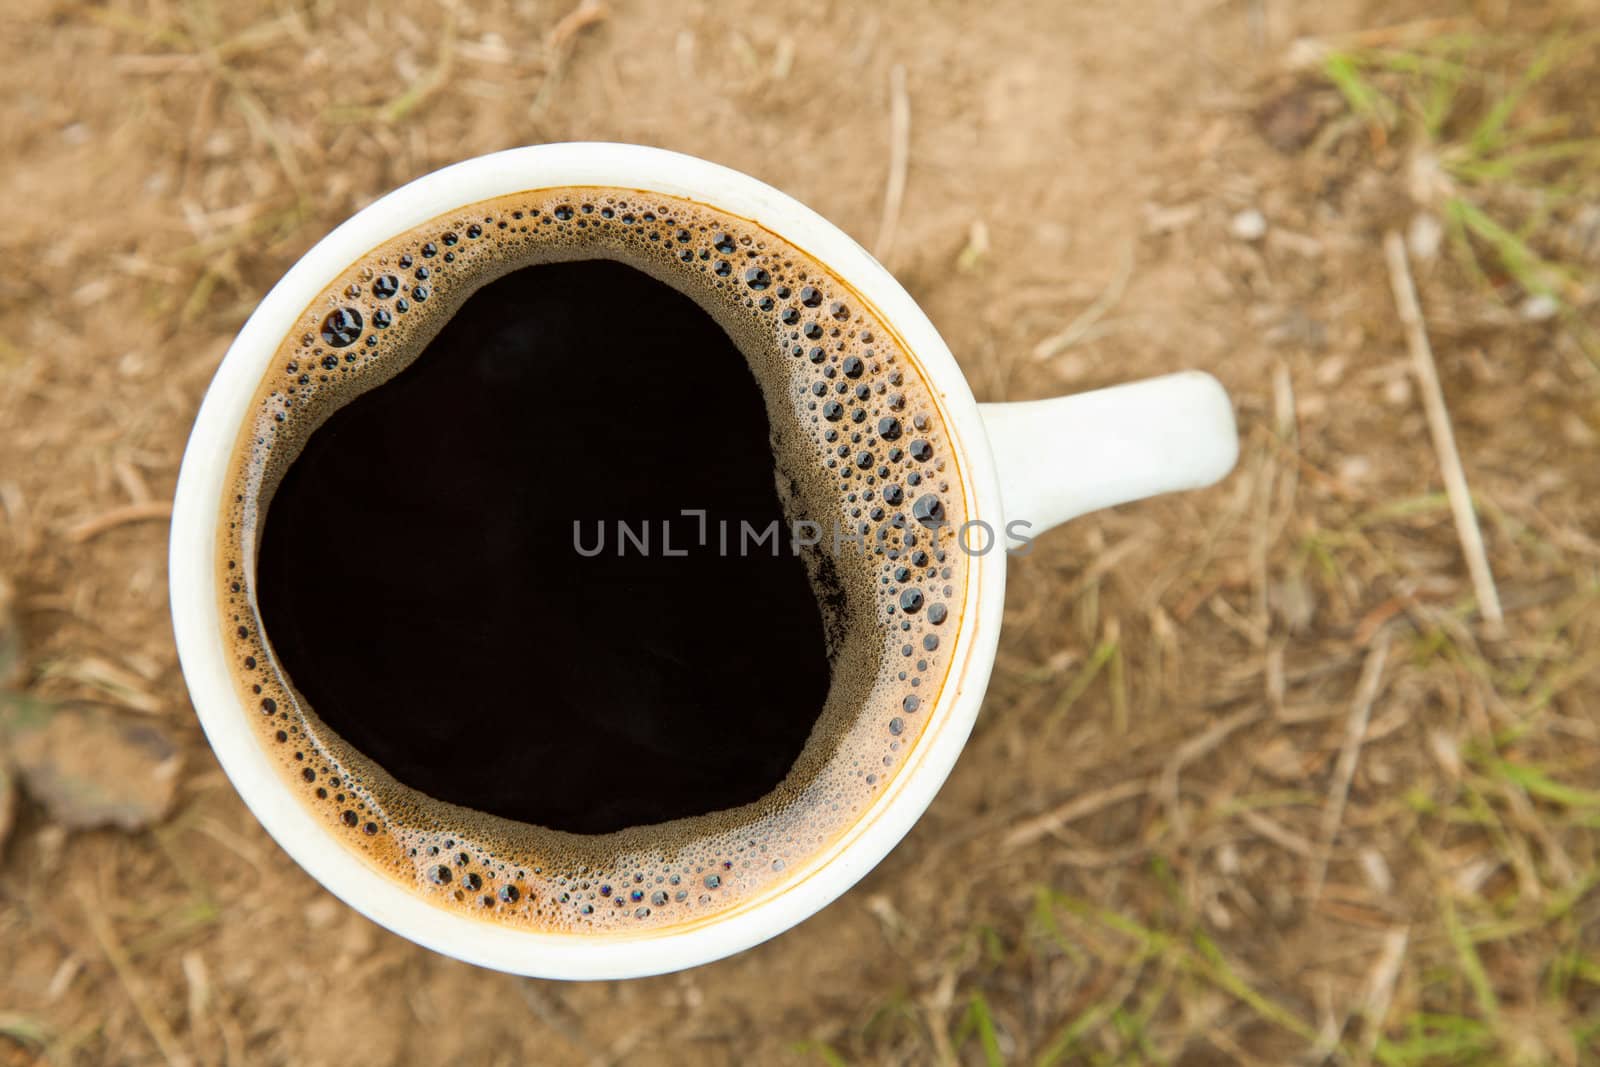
(160, 1032)
(130, 479)
(198, 983)
(125, 688)
(936, 1005)
(1311, 51)
(552, 1009)
(558, 46)
(1278, 835)
(1031, 830)
(92, 528)
(1380, 986)
(894, 193)
(1355, 730)
(580, 18)
(1444, 442)
(1192, 750)
(1083, 326)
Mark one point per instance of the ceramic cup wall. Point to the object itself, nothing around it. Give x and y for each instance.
(1039, 463)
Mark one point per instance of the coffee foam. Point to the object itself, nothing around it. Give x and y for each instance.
(858, 439)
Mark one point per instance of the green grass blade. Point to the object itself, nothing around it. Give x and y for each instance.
(1359, 93)
(1221, 972)
(822, 1050)
(1081, 683)
(1539, 784)
(1508, 166)
(1044, 917)
(1075, 1030)
(1490, 133)
(1522, 263)
(982, 1022)
(1440, 102)
(1453, 1040)
(1471, 965)
(25, 1030)
(1587, 1035)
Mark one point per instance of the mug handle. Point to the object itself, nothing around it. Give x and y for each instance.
(1061, 458)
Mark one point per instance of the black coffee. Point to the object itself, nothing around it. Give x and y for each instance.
(474, 636)
(477, 630)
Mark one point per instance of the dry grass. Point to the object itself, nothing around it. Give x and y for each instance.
(1256, 782)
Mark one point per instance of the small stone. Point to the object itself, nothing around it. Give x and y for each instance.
(1539, 308)
(1353, 469)
(1248, 225)
(1581, 239)
(1293, 600)
(1376, 870)
(1424, 236)
(1397, 391)
(1578, 432)
(1279, 760)
(1289, 121)
(321, 912)
(91, 768)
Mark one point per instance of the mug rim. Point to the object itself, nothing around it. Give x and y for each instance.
(196, 612)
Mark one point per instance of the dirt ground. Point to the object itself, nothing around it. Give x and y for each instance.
(1257, 781)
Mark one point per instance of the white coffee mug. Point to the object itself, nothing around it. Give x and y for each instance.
(1039, 463)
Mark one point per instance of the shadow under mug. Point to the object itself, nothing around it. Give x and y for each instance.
(1039, 462)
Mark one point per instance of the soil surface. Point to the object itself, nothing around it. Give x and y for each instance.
(1137, 840)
